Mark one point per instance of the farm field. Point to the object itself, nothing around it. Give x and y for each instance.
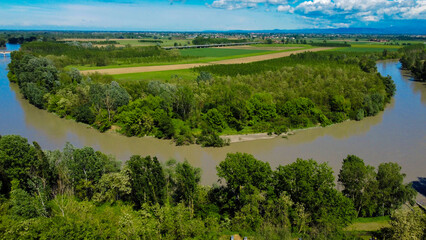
(183, 74)
(241, 59)
(205, 55)
(368, 48)
(218, 52)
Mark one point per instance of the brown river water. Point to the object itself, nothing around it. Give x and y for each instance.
(398, 134)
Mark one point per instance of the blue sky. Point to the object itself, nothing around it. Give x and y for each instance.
(193, 15)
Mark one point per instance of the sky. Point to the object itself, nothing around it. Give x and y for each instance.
(201, 15)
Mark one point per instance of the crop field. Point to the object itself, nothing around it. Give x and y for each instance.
(175, 75)
(236, 59)
(368, 48)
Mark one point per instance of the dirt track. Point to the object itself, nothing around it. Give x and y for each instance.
(114, 71)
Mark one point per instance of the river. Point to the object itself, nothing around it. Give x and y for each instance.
(398, 134)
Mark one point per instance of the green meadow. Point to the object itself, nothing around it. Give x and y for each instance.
(218, 52)
(172, 75)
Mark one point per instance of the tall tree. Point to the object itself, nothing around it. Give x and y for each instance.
(187, 180)
(17, 159)
(392, 191)
(358, 181)
(147, 180)
(312, 185)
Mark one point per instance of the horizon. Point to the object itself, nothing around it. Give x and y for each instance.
(210, 15)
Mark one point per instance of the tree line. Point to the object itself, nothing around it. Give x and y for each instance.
(84, 53)
(273, 96)
(413, 59)
(82, 193)
(202, 40)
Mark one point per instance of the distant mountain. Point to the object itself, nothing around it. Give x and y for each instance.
(412, 30)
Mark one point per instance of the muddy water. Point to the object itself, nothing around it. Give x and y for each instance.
(398, 134)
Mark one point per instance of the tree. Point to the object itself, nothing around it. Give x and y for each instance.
(112, 187)
(261, 107)
(17, 159)
(215, 119)
(243, 170)
(147, 180)
(34, 94)
(86, 164)
(312, 185)
(115, 97)
(392, 191)
(183, 102)
(408, 224)
(359, 183)
(187, 180)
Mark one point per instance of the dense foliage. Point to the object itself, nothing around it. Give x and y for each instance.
(2, 43)
(83, 53)
(374, 193)
(413, 59)
(273, 96)
(201, 40)
(330, 44)
(80, 193)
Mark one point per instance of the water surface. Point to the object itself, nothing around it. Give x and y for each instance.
(398, 134)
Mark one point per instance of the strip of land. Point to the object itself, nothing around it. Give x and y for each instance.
(114, 71)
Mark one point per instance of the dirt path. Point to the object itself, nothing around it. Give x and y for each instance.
(114, 71)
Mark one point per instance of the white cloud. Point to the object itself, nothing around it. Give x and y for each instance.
(285, 8)
(337, 10)
(239, 4)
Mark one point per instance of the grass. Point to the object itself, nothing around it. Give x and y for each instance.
(185, 75)
(218, 52)
(279, 45)
(367, 48)
(365, 227)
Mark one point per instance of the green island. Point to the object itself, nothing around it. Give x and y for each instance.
(204, 104)
(80, 193)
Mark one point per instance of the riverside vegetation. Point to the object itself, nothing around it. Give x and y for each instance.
(413, 59)
(83, 194)
(303, 90)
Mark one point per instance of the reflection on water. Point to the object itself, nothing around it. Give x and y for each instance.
(397, 134)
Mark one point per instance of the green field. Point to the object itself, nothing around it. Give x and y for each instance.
(218, 52)
(368, 48)
(365, 227)
(210, 55)
(167, 76)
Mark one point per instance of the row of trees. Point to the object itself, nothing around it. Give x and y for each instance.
(81, 193)
(2, 42)
(413, 59)
(84, 53)
(202, 40)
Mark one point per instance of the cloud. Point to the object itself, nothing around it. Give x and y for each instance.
(285, 8)
(239, 4)
(336, 11)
